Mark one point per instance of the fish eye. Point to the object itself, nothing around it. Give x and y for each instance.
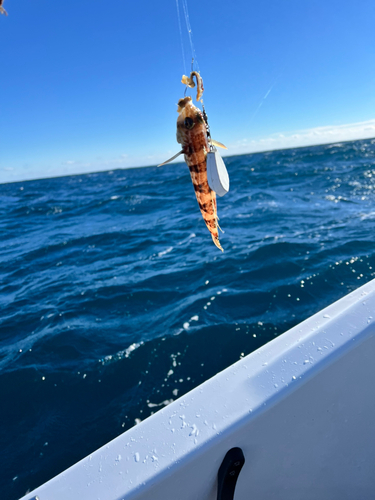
(189, 123)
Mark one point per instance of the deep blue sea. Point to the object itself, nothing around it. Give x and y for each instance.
(115, 301)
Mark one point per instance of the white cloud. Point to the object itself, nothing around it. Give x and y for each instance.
(308, 137)
(282, 140)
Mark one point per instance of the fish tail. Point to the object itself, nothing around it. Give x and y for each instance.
(206, 200)
(215, 235)
(215, 239)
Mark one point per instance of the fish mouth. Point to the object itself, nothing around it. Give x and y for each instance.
(182, 103)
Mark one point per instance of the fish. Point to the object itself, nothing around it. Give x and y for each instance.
(2, 10)
(192, 134)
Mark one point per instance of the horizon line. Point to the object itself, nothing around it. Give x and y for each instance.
(75, 174)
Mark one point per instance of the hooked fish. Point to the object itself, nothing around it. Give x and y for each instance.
(192, 135)
(2, 10)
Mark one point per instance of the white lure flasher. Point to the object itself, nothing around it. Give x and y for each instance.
(217, 175)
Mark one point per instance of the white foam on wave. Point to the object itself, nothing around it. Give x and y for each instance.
(121, 354)
(166, 402)
(370, 215)
(187, 240)
(164, 252)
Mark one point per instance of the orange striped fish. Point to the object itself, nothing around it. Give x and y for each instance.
(192, 135)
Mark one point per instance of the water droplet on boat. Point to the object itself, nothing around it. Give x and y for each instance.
(194, 431)
(326, 316)
(137, 457)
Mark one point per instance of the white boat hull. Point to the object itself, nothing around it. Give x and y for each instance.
(301, 408)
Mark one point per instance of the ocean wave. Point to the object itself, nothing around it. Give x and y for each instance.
(116, 302)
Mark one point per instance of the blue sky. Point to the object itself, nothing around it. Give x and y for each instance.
(91, 86)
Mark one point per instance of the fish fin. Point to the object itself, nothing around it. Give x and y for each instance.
(218, 144)
(219, 226)
(171, 159)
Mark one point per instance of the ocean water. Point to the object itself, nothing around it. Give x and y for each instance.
(115, 301)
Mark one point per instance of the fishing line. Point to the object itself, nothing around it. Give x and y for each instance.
(181, 38)
(190, 33)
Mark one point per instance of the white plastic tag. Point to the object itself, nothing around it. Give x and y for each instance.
(217, 175)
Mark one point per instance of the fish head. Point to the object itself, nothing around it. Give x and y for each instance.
(190, 119)
(184, 104)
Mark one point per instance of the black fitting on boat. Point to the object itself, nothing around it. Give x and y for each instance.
(228, 474)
